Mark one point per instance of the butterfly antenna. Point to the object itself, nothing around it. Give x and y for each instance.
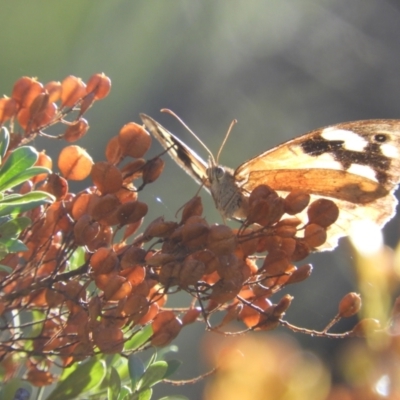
(194, 135)
(233, 123)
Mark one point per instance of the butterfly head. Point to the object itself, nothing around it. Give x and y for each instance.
(229, 200)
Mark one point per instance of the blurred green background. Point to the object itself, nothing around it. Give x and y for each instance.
(280, 67)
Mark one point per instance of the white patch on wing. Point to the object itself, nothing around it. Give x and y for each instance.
(389, 150)
(362, 170)
(352, 141)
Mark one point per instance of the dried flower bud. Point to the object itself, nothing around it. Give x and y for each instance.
(349, 305)
(159, 228)
(43, 161)
(191, 272)
(166, 327)
(286, 231)
(268, 322)
(300, 274)
(191, 315)
(53, 88)
(130, 212)
(152, 170)
(56, 185)
(85, 229)
(221, 240)
(283, 305)
(268, 243)
(74, 163)
(191, 208)
(104, 261)
(275, 263)
(195, 232)
(262, 192)
(117, 288)
(72, 90)
(99, 85)
(296, 201)
(301, 251)
(134, 140)
(76, 130)
(133, 256)
(114, 152)
(109, 339)
(25, 91)
(365, 327)
(39, 105)
(8, 108)
(160, 258)
(248, 242)
(209, 259)
(323, 212)
(136, 306)
(314, 235)
(106, 177)
(133, 170)
(104, 208)
(251, 316)
(225, 290)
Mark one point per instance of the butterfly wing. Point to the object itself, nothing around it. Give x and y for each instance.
(183, 155)
(355, 164)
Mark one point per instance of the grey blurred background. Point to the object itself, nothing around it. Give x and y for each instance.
(280, 67)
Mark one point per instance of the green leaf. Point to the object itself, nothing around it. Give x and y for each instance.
(139, 338)
(16, 204)
(145, 394)
(77, 259)
(24, 176)
(162, 352)
(5, 268)
(3, 250)
(121, 366)
(173, 366)
(87, 376)
(16, 199)
(136, 369)
(4, 141)
(152, 359)
(125, 393)
(38, 318)
(66, 372)
(114, 384)
(175, 397)
(17, 162)
(8, 389)
(154, 374)
(14, 227)
(13, 245)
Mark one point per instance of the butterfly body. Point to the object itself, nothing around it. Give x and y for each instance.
(228, 197)
(355, 164)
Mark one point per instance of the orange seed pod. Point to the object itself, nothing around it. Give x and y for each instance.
(349, 305)
(134, 140)
(323, 212)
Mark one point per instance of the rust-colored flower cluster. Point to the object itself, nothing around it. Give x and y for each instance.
(217, 265)
(92, 291)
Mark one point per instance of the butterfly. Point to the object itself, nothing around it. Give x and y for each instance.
(355, 164)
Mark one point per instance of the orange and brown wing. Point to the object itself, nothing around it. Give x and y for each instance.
(183, 155)
(355, 164)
